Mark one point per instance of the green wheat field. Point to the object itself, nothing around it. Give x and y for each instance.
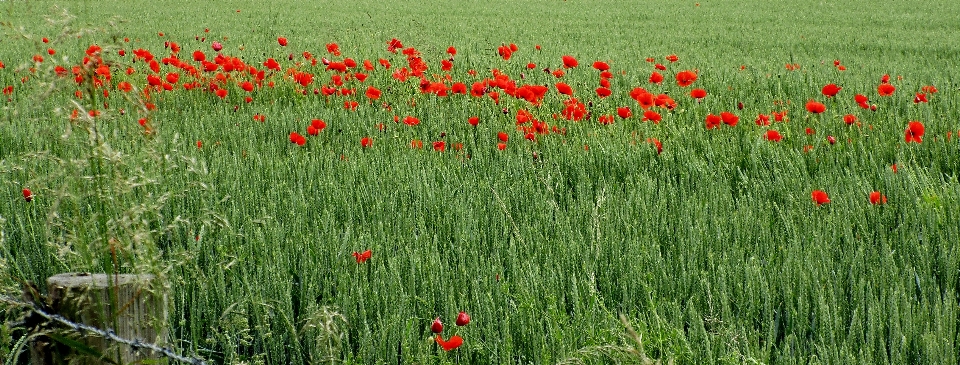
(805, 209)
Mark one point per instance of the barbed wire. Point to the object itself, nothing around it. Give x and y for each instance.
(108, 334)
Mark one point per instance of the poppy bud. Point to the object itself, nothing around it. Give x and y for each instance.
(739, 105)
(217, 46)
(831, 139)
(28, 196)
(437, 326)
(463, 319)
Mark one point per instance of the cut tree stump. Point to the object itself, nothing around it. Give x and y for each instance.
(131, 305)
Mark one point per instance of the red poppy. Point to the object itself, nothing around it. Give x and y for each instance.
(282, 41)
(451, 344)
(297, 138)
(373, 93)
(600, 65)
(318, 124)
(505, 52)
(815, 107)
(605, 119)
(686, 78)
(564, 89)
(271, 64)
(446, 65)
(221, 93)
(501, 146)
(820, 197)
(411, 121)
(474, 121)
(439, 146)
(366, 142)
(831, 90)
(656, 77)
(569, 62)
(698, 93)
(713, 121)
(729, 118)
(362, 257)
(886, 89)
(831, 140)
(463, 319)
(27, 195)
(624, 112)
(123, 86)
(416, 144)
(603, 92)
(436, 326)
(762, 120)
(605, 83)
(660, 67)
(656, 143)
(849, 119)
(877, 198)
(651, 116)
(920, 98)
(774, 136)
(929, 89)
(503, 136)
(914, 132)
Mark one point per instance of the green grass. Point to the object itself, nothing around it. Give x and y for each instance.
(712, 250)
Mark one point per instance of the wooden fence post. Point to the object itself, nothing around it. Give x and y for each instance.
(131, 305)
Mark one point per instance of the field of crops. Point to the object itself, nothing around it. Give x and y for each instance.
(571, 182)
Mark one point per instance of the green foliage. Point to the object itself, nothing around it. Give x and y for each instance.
(713, 249)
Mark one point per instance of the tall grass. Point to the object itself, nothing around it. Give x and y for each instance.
(713, 250)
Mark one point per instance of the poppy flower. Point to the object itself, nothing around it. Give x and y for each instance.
(463, 319)
(603, 92)
(651, 116)
(503, 136)
(886, 89)
(698, 94)
(569, 62)
(216, 46)
(849, 119)
(318, 124)
(624, 112)
(297, 138)
(820, 197)
(815, 107)
(451, 344)
(660, 67)
(686, 78)
(729, 118)
(920, 98)
(774, 136)
(672, 58)
(877, 198)
(564, 89)
(366, 142)
(601, 66)
(474, 121)
(605, 83)
(860, 99)
(831, 90)
(373, 93)
(362, 257)
(411, 121)
(762, 120)
(221, 93)
(27, 195)
(436, 326)
(282, 41)
(656, 78)
(605, 119)
(713, 121)
(656, 143)
(831, 140)
(914, 132)
(929, 89)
